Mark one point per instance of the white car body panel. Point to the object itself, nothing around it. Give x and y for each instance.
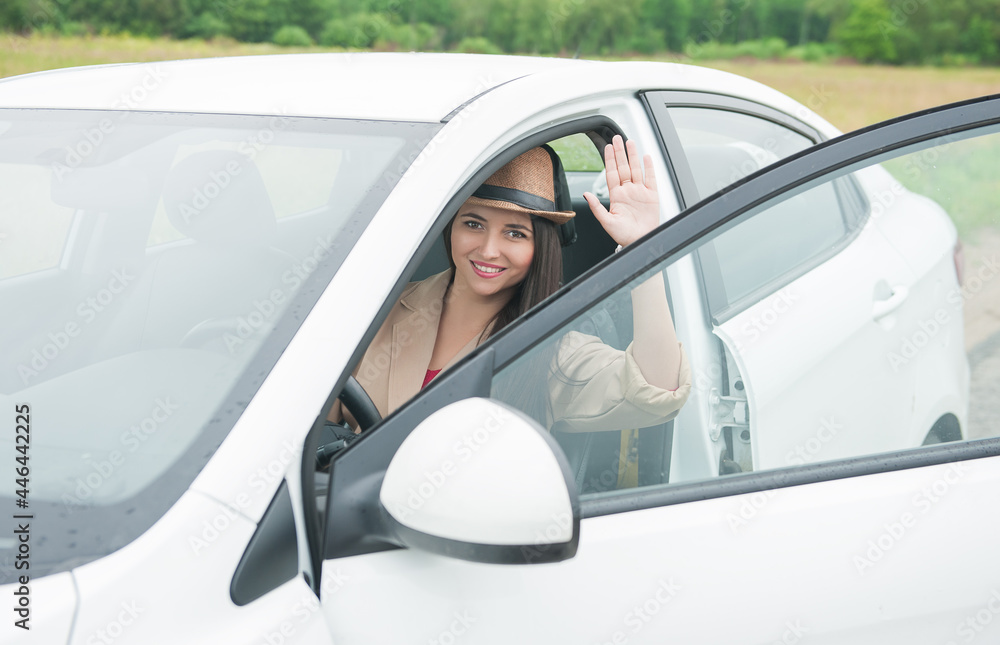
(197, 544)
(690, 437)
(713, 553)
(796, 409)
(322, 85)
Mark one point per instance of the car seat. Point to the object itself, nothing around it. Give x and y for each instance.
(226, 277)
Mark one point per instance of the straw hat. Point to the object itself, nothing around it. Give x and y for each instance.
(525, 185)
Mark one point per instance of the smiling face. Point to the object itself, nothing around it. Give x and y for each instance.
(492, 249)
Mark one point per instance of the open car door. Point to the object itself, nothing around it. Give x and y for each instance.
(841, 528)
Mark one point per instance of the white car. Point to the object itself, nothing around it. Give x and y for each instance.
(195, 254)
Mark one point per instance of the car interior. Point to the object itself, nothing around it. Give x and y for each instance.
(599, 460)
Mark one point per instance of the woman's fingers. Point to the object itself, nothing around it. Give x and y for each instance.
(611, 166)
(621, 159)
(596, 207)
(634, 163)
(649, 179)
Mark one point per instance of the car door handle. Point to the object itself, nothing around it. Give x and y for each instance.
(884, 307)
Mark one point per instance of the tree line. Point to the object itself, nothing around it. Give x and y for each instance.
(889, 31)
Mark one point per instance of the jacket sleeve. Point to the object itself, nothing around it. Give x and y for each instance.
(594, 387)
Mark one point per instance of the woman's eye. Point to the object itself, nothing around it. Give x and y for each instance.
(517, 234)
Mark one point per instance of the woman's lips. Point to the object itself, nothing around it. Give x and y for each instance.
(486, 270)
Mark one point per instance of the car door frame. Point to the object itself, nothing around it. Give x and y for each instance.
(353, 476)
(793, 173)
(342, 477)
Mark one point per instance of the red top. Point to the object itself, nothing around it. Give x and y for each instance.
(428, 377)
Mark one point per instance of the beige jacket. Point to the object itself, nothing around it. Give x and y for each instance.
(598, 388)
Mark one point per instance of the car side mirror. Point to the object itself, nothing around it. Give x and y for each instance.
(480, 481)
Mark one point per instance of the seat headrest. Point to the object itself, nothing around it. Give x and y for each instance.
(718, 166)
(563, 199)
(219, 196)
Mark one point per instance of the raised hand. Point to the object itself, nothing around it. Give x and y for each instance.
(635, 204)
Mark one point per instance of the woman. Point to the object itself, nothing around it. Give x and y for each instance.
(505, 257)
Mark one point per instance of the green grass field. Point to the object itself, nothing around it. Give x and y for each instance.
(849, 96)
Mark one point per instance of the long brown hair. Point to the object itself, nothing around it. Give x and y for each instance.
(527, 390)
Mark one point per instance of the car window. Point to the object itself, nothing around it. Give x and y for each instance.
(133, 357)
(30, 244)
(722, 146)
(298, 180)
(583, 383)
(578, 153)
(718, 143)
(860, 354)
(766, 252)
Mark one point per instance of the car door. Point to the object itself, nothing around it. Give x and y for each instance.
(892, 545)
(761, 309)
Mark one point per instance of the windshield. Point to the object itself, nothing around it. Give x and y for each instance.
(147, 262)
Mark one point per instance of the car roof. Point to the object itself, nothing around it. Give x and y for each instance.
(383, 86)
(390, 86)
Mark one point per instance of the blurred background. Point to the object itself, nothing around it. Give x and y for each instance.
(855, 62)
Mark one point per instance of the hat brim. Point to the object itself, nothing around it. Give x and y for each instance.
(558, 217)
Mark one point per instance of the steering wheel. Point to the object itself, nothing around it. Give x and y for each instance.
(357, 401)
(210, 334)
(359, 404)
